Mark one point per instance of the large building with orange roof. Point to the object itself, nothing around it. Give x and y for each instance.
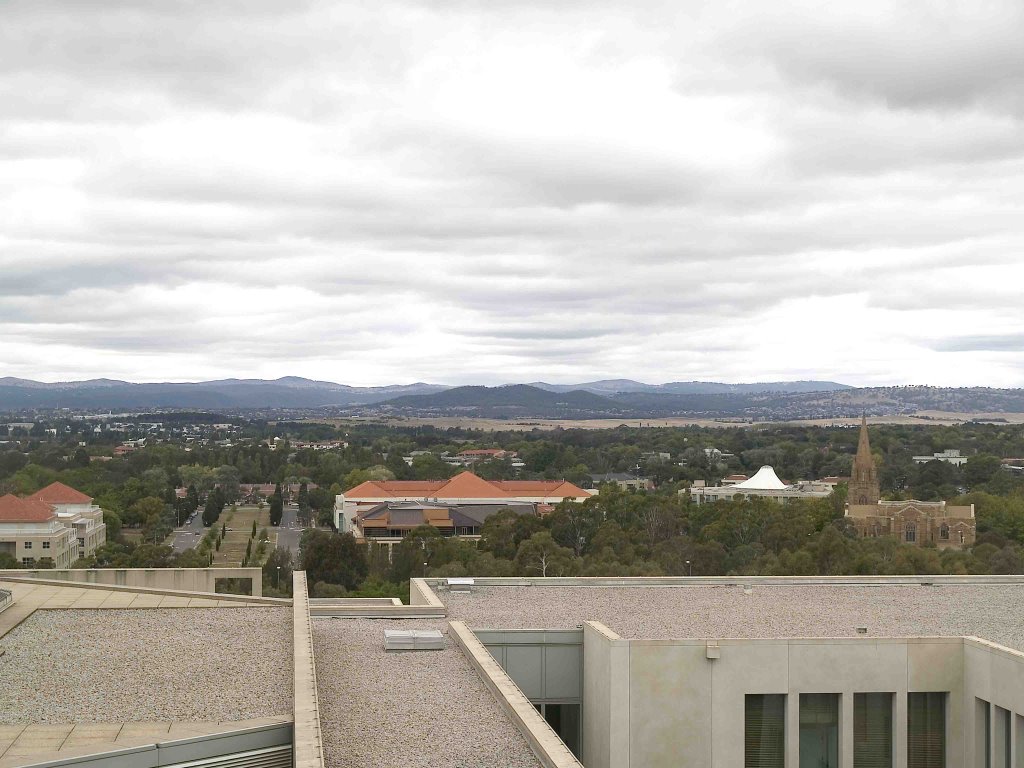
(465, 488)
(57, 524)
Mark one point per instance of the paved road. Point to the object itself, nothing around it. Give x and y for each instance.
(184, 538)
(289, 533)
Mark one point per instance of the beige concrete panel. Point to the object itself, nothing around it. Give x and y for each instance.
(155, 731)
(596, 697)
(175, 602)
(994, 673)
(670, 706)
(937, 664)
(857, 665)
(742, 668)
(108, 731)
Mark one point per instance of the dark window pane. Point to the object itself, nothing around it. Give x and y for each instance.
(926, 730)
(872, 730)
(765, 731)
(819, 730)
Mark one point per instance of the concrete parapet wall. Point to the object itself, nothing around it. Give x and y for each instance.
(257, 742)
(680, 703)
(423, 604)
(684, 581)
(177, 579)
(220, 596)
(543, 741)
(309, 748)
(420, 593)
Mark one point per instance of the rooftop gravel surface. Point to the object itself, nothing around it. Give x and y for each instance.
(187, 664)
(994, 612)
(414, 709)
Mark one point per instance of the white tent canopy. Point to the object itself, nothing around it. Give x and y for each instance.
(764, 480)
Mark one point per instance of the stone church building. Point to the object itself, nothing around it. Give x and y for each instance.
(912, 522)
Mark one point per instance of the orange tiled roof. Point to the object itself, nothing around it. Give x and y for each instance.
(15, 510)
(58, 493)
(465, 485)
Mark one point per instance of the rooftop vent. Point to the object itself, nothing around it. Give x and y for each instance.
(460, 584)
(413, 640)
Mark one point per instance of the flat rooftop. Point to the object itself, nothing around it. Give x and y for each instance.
(160, 664)
(991, 611)
(416, 709)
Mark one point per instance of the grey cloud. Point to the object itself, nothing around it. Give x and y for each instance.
(234, 186)
(941, 56)
(1010, 342)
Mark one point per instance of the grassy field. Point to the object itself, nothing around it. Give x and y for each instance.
(239, 524)
(923, 418)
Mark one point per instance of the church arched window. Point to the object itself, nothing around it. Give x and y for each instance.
(944, 532)
(910, 532)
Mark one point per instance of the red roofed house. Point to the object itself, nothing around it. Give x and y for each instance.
(31, 530)
(57, 522)
(464, 488)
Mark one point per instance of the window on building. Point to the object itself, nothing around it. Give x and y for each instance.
(819, 730)
(910, 532)
(1003, 734)
(765, 731)
(46, 545)
(81, 542)
(28, 562)
(944, 532)
(982, 734)
(926, 730)
(28, 545)
(872, 730)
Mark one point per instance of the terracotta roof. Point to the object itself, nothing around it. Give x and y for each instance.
(464, 485)
(58, 493)
(15, 510)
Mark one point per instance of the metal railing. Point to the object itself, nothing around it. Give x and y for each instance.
(6, 598)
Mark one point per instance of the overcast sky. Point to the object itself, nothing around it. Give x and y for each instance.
(495, 191)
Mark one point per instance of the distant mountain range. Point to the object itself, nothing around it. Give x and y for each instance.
(521, 401)
(287, 392)
(618, 386)
(297, 392)
(617, 398)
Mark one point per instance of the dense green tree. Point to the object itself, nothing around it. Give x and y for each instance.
(541, 555)
(334, 558)
(276, 506)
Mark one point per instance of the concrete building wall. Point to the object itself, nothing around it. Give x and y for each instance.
(680, 703)
(177, 579)
(35, 541)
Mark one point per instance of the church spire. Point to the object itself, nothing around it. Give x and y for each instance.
(864, 482)
(863, 446)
